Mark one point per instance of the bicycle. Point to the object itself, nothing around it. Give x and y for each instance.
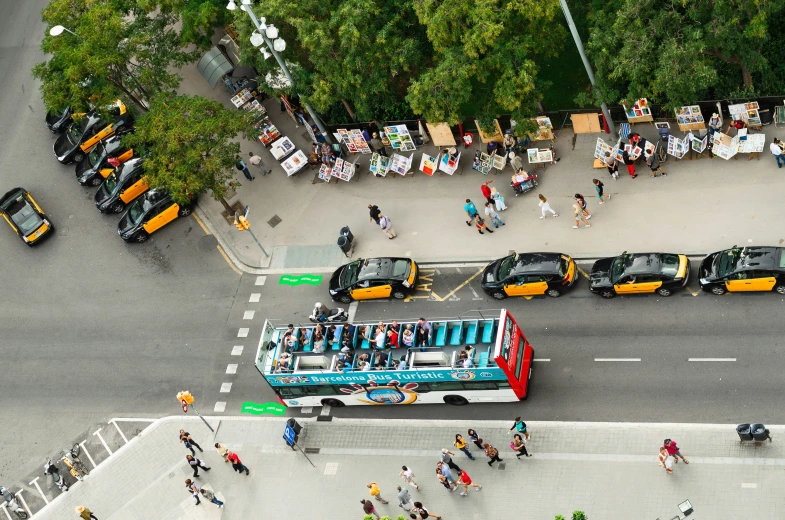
(75, 466)
(662, 153)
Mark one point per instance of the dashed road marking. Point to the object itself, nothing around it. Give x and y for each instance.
(325, 410)
(255, 297)
(541, 360)
(220, 406)
(352, 311)
(331, 468)
(226, 388)
(243, 332)
(248, 315)
(749, 485)
(237, 350)
(231, 368)
(712, 359)
(616, 359)
(260, 280)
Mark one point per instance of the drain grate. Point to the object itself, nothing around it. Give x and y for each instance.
(314, 451)
(502, 465)
(327, 418)
(274, 221)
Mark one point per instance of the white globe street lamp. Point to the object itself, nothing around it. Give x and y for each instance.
(279, 45)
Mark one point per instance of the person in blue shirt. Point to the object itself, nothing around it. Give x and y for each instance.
(471, 211)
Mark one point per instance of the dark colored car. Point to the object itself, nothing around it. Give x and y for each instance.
(530, 274)
(148, 214)
(103, 159)
(83, 134)
(25, 216)
(370, 278)
(120, 187)
(744, 269)
(639, 273)
(57, 122)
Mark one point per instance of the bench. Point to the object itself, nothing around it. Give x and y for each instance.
(487, 331)
(456, 333)
(441, 333)
(471, 332)
(483, 361)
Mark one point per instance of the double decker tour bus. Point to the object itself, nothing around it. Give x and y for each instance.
(483, 358)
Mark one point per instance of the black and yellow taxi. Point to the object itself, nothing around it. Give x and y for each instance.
(123, 185)
(102, 160)
(530, 274)
(371, 278)
(57, 122)
(25, 216)
(85, 133)
(744, 269)
(148, 214)
(639, 273)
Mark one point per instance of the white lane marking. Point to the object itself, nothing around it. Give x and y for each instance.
(712, 359)
(458, 270)
(243, 332)
(220, 406)
(476, 296)
(248, 315)
(231, 368)
(119, 430)
(749, 485)
(237, 350)
(226, 388)
(331, 468)
(84, 449)
(100, 438)
(325, 410)
(260, 280)
(24, 502)
(617, 359)
(306, 409)
(35, 483)
(352, 311)
(255, 297)
(541, 360)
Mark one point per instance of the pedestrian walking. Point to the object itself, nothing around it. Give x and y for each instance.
(375, 213)
(545, 206)
(444, 469)
(466, 481)
(257, 161)
(377, 145)
(776, 148)
(446, 457)
(519, 426)
(491, 214)
(492, 453)
(654, 164)
(578, 213)
(209, 495)
(186, 439)
(479, 223)
(240, 165)
(237, 465)
(196, 464)
(580, 199)
(194, 489)
(386, 224)
(485, 188)
(376, 493)
(460, 443)
(471, 211)
(625, 156)
(404, 499)
(408, 476)
(612, 164)
(85, 513)
(498, 199)
(665, 461)
(369, 508)
(518, 445)
(600, 187)
(475, 438)
(673, 451)
(424, 513)
(223, 451)
(442, 479)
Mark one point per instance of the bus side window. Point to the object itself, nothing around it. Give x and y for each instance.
(480, 385)
(446, 386)
(287, 392)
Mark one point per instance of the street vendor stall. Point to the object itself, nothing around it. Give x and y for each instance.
(379, 165)
(268, 132)
(724, 145)
(690, 118)
(282, 148)
(539, 156)
(544, 130)
(400, 139)
(679, 147)
(353, 140)
(638, 112)
(747, 112)
(600, 149)
(295, 163)
(752, 144)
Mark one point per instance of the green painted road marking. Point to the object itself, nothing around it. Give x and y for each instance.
(312, 279)
(260, 408)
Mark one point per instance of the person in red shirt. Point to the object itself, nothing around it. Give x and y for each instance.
(466, 481)
(673, 451)
(738, 124)
(236, 464)
(486, 191)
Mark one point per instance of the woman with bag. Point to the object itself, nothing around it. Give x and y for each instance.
(460, 443)
(475, 438)
(518, 445)
(665, 461)
(492, 454)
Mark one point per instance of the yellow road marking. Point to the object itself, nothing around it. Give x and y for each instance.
(696, 293)
(410, 298)
(528, 297)
(472, 277)
(581, 271)
(220, 250)
(198, 221)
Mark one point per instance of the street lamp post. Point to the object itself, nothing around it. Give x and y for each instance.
(280, 44)
(57, 30)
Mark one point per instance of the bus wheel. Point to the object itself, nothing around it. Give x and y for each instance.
(334, 403)
(455, 400)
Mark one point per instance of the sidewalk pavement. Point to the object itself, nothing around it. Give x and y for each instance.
(608, 470)
(701, 206)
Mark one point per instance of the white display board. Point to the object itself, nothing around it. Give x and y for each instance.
(380, 165)
(399, 138)
(678, 147)
(281, 148)
(400, 164)
(428, 164)
(448, 165)
(295, 163)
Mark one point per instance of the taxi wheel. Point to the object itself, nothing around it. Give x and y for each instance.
(399, 295)
(184, 211)
(78, 157)
(553, 293)
(345, 299)
(664, 291)
(719, 290)
(499, 295)
(607, 294)
(141, 236)
(780, 289)
(118, 206)
(95, 181)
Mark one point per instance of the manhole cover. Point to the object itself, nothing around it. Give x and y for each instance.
(274, 221)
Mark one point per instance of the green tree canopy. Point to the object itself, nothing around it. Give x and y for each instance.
(676, 50)
(185, 144)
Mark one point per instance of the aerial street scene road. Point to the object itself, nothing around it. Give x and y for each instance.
(392, 260)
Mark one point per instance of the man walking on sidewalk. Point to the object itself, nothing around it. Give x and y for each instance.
(471, 211)
(408, 476)
(673, 451)
(404, 499)
(386, 224)
(491, 214)
(257, 161)
(446, 473)
(236, 464)
(185, 437)
(85, 513)
(223, 451)
(375, 212)
(194, 489)
(446, 457)
(240, 165)
(485, 188)
(654, 164)
(376, 493)
(776, 150)
(196, 464)
(209, 495)
(369, 509)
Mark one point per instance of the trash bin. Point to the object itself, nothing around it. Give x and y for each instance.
(294, 425)
(346, 232)
(345, 245)
(744, 432)
(759, 432)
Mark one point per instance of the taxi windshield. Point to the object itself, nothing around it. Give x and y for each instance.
(135, 212)
(95, 155)
(349, 275)
(76, 130)
(727, 261)
(505, 267)
(111, 182)
(619, 265)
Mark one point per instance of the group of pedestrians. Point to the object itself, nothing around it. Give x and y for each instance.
(239, 163)
(670, 455)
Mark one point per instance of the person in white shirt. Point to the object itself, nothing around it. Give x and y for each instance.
(379, 338)
(386, 224)
(776, 150)
(491, 214)
(545, 206)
